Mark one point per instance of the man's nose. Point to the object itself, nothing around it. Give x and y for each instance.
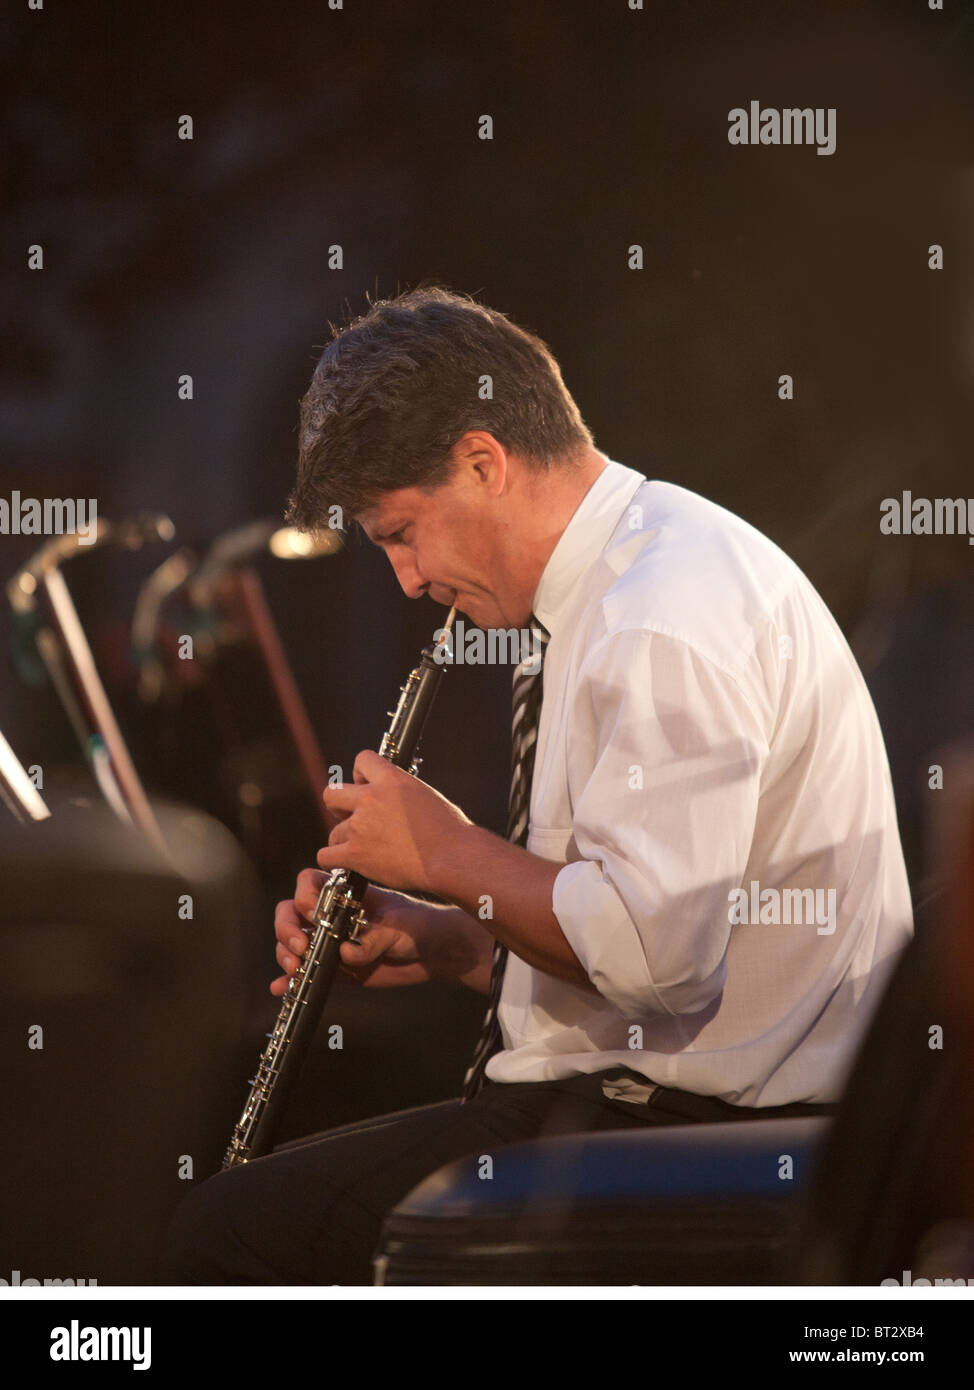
(411, 581)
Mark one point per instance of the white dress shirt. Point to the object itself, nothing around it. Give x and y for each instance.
(704, 729)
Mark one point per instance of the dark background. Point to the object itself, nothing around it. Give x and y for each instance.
(359, 127)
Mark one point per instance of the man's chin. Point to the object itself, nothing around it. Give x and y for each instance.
(476, 614)
(460, 603)
(468, 611)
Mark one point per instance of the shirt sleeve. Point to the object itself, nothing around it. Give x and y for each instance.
(665, 759)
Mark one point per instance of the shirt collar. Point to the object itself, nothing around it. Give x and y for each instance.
(584, 538)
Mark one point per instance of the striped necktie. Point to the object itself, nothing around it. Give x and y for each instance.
(524, 734)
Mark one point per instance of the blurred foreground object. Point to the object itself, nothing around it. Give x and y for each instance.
(123, 1055)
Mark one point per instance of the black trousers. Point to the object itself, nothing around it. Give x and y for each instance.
(311, 1211)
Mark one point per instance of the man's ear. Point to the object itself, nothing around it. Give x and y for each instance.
(478, 449)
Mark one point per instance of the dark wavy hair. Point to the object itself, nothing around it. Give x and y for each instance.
(397, 387)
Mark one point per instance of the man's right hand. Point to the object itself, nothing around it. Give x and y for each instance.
(407, 942)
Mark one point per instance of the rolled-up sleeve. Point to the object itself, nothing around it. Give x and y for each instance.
(665, 756)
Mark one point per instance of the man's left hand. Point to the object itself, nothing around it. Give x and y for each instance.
(395, 829)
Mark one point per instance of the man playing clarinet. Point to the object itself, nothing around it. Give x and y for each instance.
(701, 893)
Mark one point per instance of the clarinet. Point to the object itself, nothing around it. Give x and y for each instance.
(338, 917)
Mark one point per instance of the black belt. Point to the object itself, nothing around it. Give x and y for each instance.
(686, 1105)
